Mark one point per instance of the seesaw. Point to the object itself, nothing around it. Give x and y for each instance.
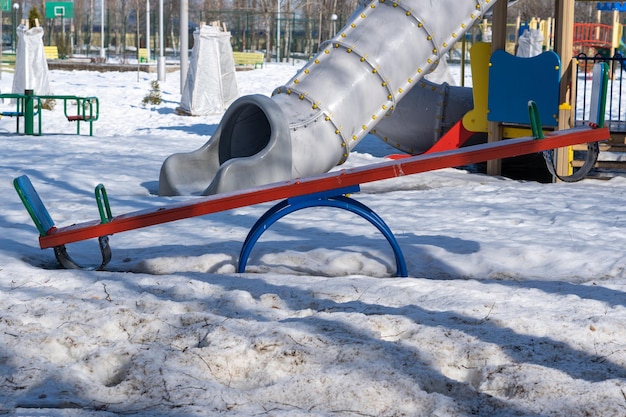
(322, 190)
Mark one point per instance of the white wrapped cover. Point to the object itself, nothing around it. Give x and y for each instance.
(530, 44)
(210, 85)
(31, 67)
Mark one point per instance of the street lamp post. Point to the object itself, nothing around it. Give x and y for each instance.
(333, 19)
(102, 52)
(277, 30)
(161, 60)
(184, 42)
(16, 8)
(148, 28)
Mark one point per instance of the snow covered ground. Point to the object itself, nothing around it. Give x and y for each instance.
(515, 304)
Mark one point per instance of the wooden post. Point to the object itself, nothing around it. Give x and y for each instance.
(498, 41)
(564, 46)
(615, 39)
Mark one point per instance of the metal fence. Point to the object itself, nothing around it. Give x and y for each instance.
(615, 116)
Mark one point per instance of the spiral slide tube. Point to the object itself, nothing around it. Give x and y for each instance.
(310, 124)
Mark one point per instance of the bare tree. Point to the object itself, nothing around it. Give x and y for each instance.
(171, 8)
(528, 9)
(585, 11)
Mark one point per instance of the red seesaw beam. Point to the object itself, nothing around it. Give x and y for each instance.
(325, 182)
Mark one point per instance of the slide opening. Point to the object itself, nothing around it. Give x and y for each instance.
(246, 133)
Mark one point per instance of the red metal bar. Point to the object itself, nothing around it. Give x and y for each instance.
(324, 182)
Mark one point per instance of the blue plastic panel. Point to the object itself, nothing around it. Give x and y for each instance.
(513, 81)
(611, 5)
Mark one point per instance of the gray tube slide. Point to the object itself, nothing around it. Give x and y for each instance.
(310, 124)
(424, 115)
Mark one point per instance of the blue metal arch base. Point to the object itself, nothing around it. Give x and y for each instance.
(333, 198)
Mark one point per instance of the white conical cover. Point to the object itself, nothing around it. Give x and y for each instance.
(31, 67)
(210, 85)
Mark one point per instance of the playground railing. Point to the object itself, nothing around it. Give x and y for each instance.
(615, 116)
(593, 34)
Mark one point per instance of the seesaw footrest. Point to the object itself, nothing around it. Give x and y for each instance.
(44, 223)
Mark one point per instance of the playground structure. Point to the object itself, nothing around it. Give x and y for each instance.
(327, 190)
(266, 149)
(28, 105)
(563, 46)
(492, 97)
(323, 190)
(590, 43)
(314, 113)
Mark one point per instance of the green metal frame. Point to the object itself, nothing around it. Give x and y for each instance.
(87, 110)
(24, 107)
